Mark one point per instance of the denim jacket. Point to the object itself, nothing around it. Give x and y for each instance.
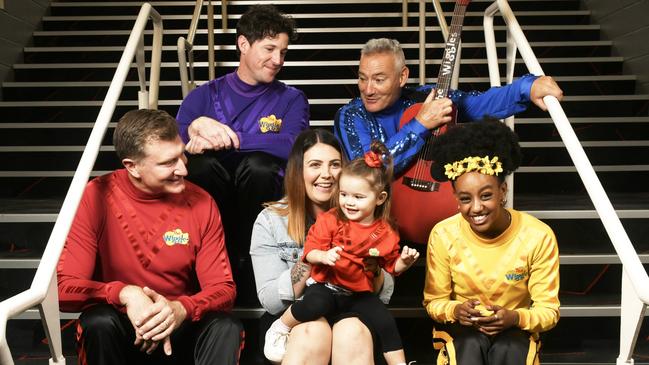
(273, 255)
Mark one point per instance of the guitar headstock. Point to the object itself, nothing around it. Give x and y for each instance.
(463, 2)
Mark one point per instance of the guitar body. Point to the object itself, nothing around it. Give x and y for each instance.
(417, 211)
(418, 200)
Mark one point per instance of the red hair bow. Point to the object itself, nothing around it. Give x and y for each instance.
(373, 159)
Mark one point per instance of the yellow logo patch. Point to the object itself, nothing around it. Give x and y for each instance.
(176, 237)
(270, 124)
(374, 251)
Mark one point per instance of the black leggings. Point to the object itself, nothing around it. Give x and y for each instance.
(105, 337)
(468, 346)
(319, 301)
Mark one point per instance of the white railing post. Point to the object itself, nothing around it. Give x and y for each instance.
(49, 311)
(42, 292)
(404, 13)
(630, 320)
(636, 282)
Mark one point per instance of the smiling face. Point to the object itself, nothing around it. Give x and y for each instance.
(260, 61)
(380, 80)
(162, 169)
(480, 200)
(357, 198)
(322, 164)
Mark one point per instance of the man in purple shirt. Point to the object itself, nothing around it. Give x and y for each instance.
(239, 130)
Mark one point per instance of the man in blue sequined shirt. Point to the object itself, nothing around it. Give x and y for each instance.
(375, 115)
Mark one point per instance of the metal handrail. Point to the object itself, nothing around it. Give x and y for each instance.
(186, 45)
(635, 281)
(43, 290)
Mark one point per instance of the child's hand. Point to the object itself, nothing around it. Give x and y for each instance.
(330, 257)
(409, 255)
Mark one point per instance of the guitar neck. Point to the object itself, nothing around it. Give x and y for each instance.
(450, 52)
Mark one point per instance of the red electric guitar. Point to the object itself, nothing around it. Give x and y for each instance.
(418, 200)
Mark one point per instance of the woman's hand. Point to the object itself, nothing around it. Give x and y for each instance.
(500, 321)
(466, 313)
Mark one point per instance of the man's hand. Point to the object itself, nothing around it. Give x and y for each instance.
(544, 86)
(215, 135)
(435, 112)
(501, 320)
(160, 319)
(137, 303)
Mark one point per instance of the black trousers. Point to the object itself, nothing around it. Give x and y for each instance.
(468, 346)
(318, 301)
(105, 337)
(239, 183)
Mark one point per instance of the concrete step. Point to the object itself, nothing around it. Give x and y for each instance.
(320, 88)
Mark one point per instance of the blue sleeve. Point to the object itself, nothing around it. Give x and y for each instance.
(497, 102)
(356, 132)
(196, 104)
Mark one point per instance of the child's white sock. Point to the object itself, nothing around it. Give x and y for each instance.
(280, 327)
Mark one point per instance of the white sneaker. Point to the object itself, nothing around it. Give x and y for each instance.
(275, 346)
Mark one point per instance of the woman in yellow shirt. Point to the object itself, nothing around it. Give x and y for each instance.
(492, 278)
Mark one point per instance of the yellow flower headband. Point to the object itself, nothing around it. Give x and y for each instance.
(483, 165)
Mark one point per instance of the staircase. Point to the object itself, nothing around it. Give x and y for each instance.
(53, 101)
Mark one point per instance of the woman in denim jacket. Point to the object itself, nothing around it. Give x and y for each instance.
(276, 249)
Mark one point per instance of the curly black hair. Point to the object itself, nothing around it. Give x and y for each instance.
(488, 137)
(261, 21)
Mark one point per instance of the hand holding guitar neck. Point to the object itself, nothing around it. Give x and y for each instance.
(435, 113)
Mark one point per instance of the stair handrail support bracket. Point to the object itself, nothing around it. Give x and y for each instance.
(638, 280)
(185, 46)
(43, 290)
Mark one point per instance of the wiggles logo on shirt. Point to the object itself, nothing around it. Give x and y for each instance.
(176, 237)
(517, 274)
(270, 124)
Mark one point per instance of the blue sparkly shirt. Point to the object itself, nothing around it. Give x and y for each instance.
(356, 128)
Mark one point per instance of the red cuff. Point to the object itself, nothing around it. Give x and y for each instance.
(112, 293)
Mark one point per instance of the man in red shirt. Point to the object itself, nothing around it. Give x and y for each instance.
(145, 260)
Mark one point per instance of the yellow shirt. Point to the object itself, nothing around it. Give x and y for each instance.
(518, 270)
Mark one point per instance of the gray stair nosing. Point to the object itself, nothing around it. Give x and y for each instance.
(314, 46)
(330, 15)
(197, 65)
(551, 144)
(315, 101)
(303, 82)
(183, 32)
(541, 214)
(565, 259)
(329, 123)
(236, 3)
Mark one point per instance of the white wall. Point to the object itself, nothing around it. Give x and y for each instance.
(626, 23)
(18, 20)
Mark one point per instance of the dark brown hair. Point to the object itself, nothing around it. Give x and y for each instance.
(379, 178)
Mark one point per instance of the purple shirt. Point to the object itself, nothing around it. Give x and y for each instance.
(249, 111)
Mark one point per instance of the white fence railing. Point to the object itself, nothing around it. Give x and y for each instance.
(43, 290)
(635, 282)
(186, 45)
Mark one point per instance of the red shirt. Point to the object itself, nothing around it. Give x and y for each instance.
(172, 243)
(358, 242)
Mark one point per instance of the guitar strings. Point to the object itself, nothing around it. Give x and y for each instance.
(456, 27)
